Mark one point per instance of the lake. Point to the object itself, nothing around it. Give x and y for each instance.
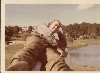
(88, 55)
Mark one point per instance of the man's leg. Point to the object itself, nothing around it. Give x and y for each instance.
(18, 66)
(54, 61)
(28, 56)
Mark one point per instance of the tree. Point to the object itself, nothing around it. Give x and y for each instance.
(20, 29)
(16, 30)
(84, 29)
(8, 32)
(29, 29)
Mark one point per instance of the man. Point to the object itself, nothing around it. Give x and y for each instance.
(38, 47)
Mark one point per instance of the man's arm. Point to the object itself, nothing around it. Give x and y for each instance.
(62, 40)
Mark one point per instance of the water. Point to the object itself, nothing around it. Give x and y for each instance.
(89, 55)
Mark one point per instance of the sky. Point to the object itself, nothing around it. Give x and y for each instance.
(37, 14)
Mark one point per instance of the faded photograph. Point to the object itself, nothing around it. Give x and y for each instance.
(52, 37)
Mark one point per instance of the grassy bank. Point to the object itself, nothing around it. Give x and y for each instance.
(80, 43)
(84, 68)
(10, 50)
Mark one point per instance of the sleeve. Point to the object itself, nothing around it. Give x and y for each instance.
(62, 40)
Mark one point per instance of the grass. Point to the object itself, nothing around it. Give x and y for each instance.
(84, 68)
(12, 49)
(80, 43)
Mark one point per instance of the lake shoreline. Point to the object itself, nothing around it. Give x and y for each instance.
(85, 68)
(81, 43)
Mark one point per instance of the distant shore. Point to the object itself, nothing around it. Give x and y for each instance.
(82, 42)
(84, 68)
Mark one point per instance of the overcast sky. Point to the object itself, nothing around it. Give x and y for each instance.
(36, 14)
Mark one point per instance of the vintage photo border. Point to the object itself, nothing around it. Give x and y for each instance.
(3, 2)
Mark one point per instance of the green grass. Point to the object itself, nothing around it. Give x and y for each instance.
(84, 68)
(12, 49)
(80, 43)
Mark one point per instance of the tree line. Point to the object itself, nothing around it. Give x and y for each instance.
(74, 31)
(86, 30)
(13, 31)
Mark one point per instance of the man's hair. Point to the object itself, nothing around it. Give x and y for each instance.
(48, 25)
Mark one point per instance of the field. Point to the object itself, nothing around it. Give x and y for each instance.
(11, 49)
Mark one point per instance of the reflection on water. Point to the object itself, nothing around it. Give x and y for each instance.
(89, 55)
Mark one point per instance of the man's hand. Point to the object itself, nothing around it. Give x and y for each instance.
(61, 52)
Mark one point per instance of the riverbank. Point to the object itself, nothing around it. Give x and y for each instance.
(84, 68)
(80, 43)
(10, 50)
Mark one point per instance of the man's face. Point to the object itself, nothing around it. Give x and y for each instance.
(55, 26)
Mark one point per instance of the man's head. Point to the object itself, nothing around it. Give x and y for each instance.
(55, 25)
